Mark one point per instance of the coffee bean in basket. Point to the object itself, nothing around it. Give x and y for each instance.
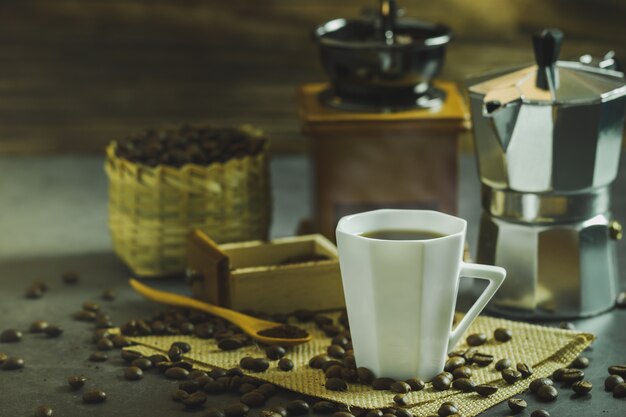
(442, 381)
(285, 364)
(524, 369)
(275, 352)
(401, 399)
(447, 409)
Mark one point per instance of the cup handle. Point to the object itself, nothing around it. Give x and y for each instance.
(495, 275)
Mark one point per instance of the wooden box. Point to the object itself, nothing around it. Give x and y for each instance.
(266, 276)
(364, 161)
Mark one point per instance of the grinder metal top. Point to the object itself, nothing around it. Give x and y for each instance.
(554, 126)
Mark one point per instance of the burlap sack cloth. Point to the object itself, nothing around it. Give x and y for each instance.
(544, 348)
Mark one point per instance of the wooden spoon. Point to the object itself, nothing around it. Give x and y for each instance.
(250, 325)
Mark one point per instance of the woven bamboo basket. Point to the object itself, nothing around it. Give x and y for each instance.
(152, 209)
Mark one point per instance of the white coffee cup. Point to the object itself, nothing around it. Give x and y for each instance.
(401, 294)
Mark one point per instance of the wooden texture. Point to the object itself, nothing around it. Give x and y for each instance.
(75, 74)
(257, 279)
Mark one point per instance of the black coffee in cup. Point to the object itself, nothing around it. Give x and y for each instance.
(402, 234)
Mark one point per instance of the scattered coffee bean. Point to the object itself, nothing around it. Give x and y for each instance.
(464, 384)
(12, 363)
(453, 363)
(285, 364)
(342, 414)
(524, 369)
(620, 302)
(84, 315)
(275, 352)
(98, 357)
(255, 364)
(94, 396)
(183, 346)
(374, 413)
(382, 383)
(108, 295)
(416, 384)
(53, 331)
(612, 381)
(230, 343)
(188, 366)
(176, 372)
(120, 342)
(304, 316)
(558, 374)
(540, 413)
(485, 390)
(105, 344)
(349, 375)
(447, 409)
(317, 361)
(571, 375)
(70, 278)
(91, 306)
(366, 376)
(297, 408)
(567, 325)
(279, 409)
(175, 353)
(582, 387)
(10, 336)
(547, 393)
(481, 359)
(580, 362)
(400, 387)
(128, 355)
(618, 370)
(503, 364)
(324, 407)
(538, 383)
(442, 382)
(76, 382)
(336, 384)
(142, 363)
(401, 399)
(517, 404)
(476, 339)
(38, 326)
(336, 351)
(462, 372)
(253, 399)
(502, 335)
(179, 395)
(44, 411)
(246, 387)
(34, 292)
(133, 373)
(285, 331)
(195, 400)
(3, 357)
(620, 390)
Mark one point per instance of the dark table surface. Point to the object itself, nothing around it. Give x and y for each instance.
(54, 220)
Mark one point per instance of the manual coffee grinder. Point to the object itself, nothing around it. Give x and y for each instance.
(548, 139)
(383, 133)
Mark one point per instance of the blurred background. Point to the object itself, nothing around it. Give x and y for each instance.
(74, 74)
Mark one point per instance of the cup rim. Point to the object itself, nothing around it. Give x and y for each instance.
(342, 224)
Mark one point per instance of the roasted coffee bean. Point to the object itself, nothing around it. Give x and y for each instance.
(618, 370)
(340, 340)
(476, 339)
(571, 375)
(257, 365)
(218, 373)
(503, 364)
(105, 344)
(128, 355)
(133, 373)
(213, 412)
(336, 351)
(517, 404)
(366, 376)
(538, 383)
(234, 372)
(349, 375)
(53, 331)
(120, 342)
(253, 399)
(402, 412)
(38, 326)
(179, 395)
(540, 413)
(108, 295)
(558, 374)
(453, 363)
(3, 357)
(70, 278)
(85, 315)
(324, 407)
(246, 387)
(462, 372)
(214, 387)
(175, 353)
(382, 383)
(202, 380)
(195, 400)
(547, 393)
(447, 409)
(331, 330)
(333, 371)
(524, 369)
(104, 323)
(10, 336)
(580, 362)
(388, 415)
(416, 384)
(336, 384)
(349, 361)
(94, 396)
(374, 413)
(322, 320)
(485, 390)
(401, 399)
(188, 366)
(44, 411)
(163, 365)
(184, 346)
(142, 363)
(98, 357)
(620, 301)
(304, 316)
(342, 414)
(267, 389)
(620, 390)
(76, 382)
(275, 352)
(201, 330)
(441, 382)
(12, 363)
(502, 335)
(400, 387)
(285, 364)
(91, 306)
(34, 292)
(176, 373)
(297, 408)
(331, 363)
(582, 387)
(279, 409)
(612, 381)
(464, 384)
(481, 359)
